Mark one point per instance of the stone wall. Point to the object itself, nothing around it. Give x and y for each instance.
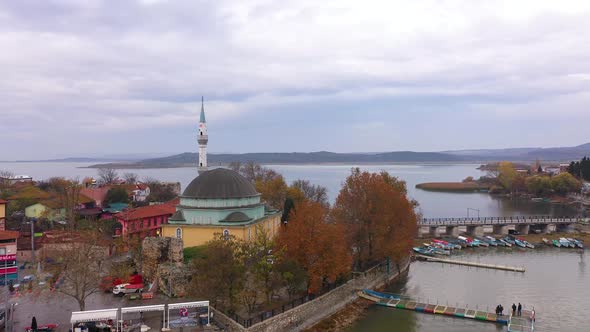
(311, 313)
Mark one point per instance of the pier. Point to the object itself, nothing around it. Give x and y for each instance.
(474, 264)
(515, 323)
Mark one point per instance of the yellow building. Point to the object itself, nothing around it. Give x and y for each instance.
(3, 214)
(220, 201)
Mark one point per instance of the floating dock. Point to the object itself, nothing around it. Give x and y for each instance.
(474, 264)
(515, 324)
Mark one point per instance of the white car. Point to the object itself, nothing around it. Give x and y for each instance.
(123, 289)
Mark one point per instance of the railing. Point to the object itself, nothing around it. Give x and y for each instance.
(498, 220)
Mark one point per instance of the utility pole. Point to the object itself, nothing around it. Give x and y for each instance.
(32, 221)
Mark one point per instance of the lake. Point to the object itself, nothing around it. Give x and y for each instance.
(432, 204)
(555, 284)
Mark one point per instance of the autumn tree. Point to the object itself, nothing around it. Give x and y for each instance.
(116, 195)
(80, 264)
(107, 175)
(538, 185)
(506, 174)
(220, 274)
(378, 218)
(68, 194)
(315, 244)
(564, 183)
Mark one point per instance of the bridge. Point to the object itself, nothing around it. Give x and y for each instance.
(500, 225)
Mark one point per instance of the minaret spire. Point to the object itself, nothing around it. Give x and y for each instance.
(202, 139)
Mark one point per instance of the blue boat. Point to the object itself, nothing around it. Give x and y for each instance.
(565, 243)
(423, 251)
(520, 243)
(380, 295)
(509, 240)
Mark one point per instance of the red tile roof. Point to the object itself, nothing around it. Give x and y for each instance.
(8, 235)
(147, 212)
(96, 194)
(3, 201)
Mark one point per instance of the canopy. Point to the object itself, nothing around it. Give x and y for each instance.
(93, 315)
(145, 308)
(188, 305)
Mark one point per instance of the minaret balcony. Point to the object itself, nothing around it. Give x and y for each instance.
(203, 139)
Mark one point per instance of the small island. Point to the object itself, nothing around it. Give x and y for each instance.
(467, 186)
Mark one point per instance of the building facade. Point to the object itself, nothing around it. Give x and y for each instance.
(146, 220)
(3, 214)
(8, 248)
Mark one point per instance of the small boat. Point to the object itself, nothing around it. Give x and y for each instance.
(505, 243)
(520, 243)
(492, 241)
(381, 295)
(438, 251)
(509, 240)
(482, 242)
(526, 243)
(545, 241)
(556, 243)
(423, 251)
(565, 243)
(578, 243)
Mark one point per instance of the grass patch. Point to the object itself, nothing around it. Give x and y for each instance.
(453, 186)
(191, 253)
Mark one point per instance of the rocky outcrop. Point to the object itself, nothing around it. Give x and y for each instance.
(160, 251)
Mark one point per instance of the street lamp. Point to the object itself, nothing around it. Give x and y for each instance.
(472, 210)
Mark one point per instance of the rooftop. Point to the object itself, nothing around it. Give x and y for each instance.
(220, 183)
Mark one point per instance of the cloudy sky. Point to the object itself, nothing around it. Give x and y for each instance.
(108, 77)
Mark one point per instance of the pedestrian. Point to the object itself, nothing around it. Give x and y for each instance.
(498, 309)
(501, 310)
(533, 315)
(519, 309)
(513, 309)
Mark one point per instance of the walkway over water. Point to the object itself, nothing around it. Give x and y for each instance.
(474, 264)
(499, 221)
(515, 323)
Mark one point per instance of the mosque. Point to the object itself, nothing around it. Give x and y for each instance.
(218, 201)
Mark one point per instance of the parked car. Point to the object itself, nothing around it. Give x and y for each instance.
(28, 278)
(123, 289)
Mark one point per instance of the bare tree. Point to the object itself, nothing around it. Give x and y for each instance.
(107, 175)
(81, 261)
(314, 193)
(150, 180)
(130, 178)
(5, 177)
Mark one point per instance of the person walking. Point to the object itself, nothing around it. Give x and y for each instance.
(497, 309)
(501, 310)
(519, 309)
(513, 309)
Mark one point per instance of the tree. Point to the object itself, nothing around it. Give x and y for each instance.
(219, 275)
(580, 169)
(315, 245)
(538, 185)
(506, 174)
(80, 263)
(293, 276)
(107, 176)
(130, 178)
(314, 193)
(160, 192)
(68, 193)
(273, 191)
(5, 177)
(261, 262)
(564, 183)
(377, 216)
(116, 195)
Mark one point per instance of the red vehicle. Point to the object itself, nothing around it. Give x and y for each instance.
(108, 283)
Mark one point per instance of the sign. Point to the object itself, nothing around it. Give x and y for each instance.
(7, 257)
(8, 270)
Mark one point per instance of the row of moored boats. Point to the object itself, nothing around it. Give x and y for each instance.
(565, 242)
(446, 246)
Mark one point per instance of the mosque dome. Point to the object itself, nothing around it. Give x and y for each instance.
(220, 183)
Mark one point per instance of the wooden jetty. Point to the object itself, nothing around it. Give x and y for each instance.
(514, 323)
(474, 264)
(522, 323)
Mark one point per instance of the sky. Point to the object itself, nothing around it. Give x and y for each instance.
(81, 78)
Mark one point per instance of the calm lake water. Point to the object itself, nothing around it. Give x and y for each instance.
(432, 204)
(556, 281)
(555, 284)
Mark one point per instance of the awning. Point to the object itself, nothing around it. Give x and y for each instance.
(145, 308)
(93, 315)
(198, 304)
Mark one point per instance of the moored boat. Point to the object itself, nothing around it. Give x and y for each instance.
(519, 243)
(556, 243)
(423, 251)
(565, 243)
(492, 241)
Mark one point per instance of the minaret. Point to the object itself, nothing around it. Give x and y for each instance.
(202, 139)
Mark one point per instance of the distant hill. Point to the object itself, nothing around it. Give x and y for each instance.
(484, 155)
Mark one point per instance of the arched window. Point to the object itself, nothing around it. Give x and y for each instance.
(179, 233)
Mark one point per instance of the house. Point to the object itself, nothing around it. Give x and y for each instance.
(96, 194)
(3, 214)
(17, 178)
(53, 208)
(141, 192)
(146, 220)
(54, 243)
(24, 245)
(8, 249)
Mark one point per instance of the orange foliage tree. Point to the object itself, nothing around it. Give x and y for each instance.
(379, 220)
(315, 244)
